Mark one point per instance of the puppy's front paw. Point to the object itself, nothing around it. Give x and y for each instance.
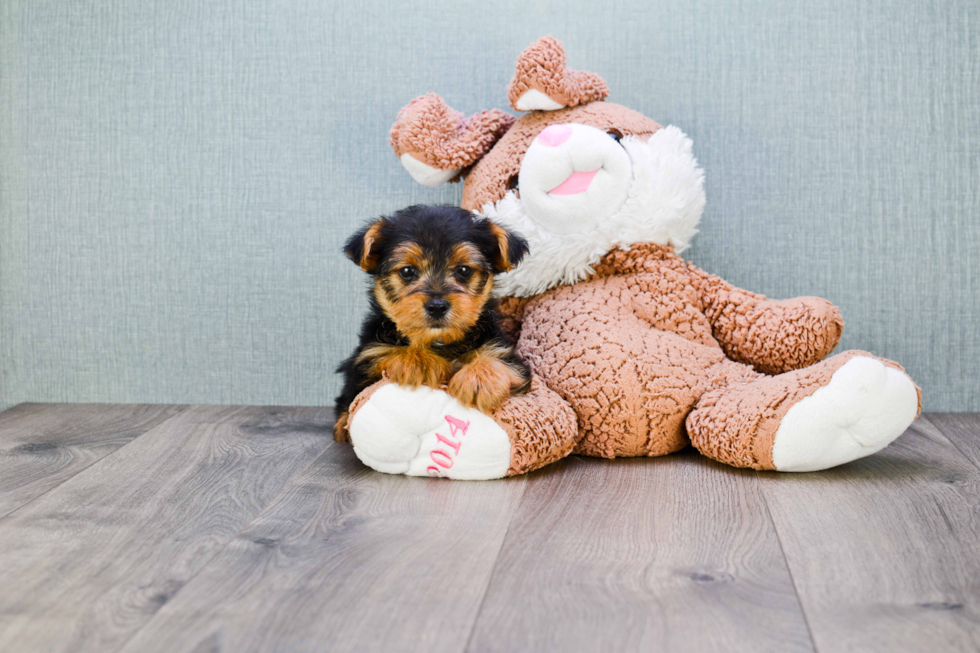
(484, 384)
(410, 366)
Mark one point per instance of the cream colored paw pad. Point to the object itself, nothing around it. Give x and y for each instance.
(864, 408)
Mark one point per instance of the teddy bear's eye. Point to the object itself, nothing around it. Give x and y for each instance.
(616, 136)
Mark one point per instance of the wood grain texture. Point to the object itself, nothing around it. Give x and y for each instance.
(248, 529)
(42, 445)
(88, 563)
(962, 429)
(346, 559)
(670, 554)
(885, 551)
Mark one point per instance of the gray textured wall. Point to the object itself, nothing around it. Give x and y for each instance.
(176, 176)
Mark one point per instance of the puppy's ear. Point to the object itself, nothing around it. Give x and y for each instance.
(510, 250)
(364, 247)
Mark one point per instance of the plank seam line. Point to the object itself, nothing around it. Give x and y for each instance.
(4, 517)
(496, 561)
(789, 570)
(224, 546)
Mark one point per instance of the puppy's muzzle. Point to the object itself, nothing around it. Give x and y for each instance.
(436, 308)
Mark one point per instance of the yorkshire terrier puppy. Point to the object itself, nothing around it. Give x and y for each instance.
(433, 318)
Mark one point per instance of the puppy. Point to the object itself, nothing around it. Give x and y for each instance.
(433, 318)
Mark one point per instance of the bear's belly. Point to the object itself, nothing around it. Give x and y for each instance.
(631, 385)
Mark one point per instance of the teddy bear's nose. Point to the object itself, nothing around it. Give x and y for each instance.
(555, 135)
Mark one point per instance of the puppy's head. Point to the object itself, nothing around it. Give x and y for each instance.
(433, 268)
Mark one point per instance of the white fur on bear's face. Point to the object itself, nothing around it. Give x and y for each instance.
(547, 165)
(664, 204)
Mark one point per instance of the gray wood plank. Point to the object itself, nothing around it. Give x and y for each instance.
(43, 445)
(885, 551)
(346, 559)
(962, 429)
(671, 554)
(85, 565)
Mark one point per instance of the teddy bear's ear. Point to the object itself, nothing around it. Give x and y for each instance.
(543, 82)
(436, 143)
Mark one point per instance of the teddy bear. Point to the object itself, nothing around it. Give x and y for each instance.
(633, 350)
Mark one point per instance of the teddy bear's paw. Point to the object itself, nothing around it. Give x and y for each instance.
(425, 432)
(863, 408)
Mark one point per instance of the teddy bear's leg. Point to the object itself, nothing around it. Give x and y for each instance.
(426, 432)
(841, 409)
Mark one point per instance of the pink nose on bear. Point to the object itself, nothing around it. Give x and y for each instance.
(555, 135)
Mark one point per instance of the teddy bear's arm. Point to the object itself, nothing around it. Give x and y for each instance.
(774, 336)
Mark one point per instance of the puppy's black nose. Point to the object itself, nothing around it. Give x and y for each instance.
(436, 307)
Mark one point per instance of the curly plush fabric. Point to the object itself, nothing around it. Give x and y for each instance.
(542, 67)
(635, 347)
(541, 428)
(737, 425)
(439, 136)
(772, 336)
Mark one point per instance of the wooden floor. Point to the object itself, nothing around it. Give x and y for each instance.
(175, 528)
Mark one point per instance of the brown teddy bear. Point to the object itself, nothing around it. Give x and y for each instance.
(634, 351)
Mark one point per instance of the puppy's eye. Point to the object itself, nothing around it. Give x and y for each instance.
(464, 272)
(616, 136)
(407, 273)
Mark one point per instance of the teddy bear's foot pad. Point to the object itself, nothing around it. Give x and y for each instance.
(425, 432)
(864, 407)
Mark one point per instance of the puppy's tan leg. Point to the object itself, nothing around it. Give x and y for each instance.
(410, 366)
(485, 380)
(340, 432)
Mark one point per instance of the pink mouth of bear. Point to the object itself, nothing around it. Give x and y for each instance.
(577, 182)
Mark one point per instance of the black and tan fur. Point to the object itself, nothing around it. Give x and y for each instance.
(422, 260)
